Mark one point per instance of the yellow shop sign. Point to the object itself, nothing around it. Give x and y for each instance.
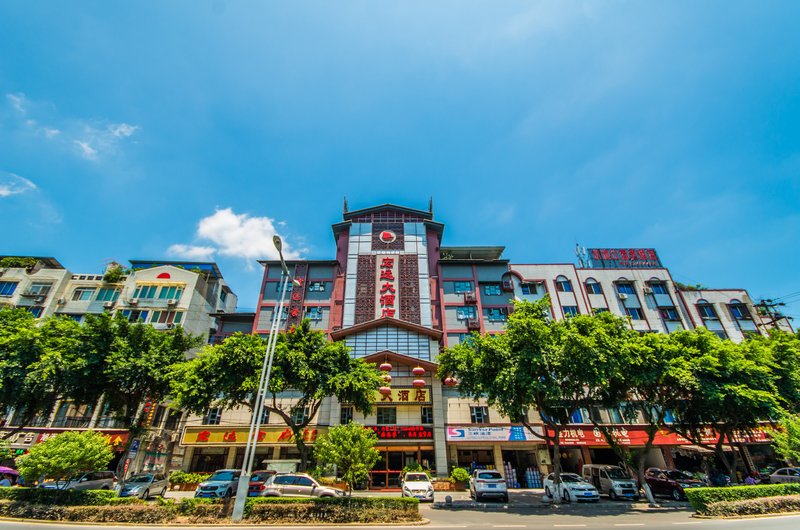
(238, 435)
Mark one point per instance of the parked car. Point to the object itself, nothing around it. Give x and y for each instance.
(417, 485)
(785, 474)
(671, 482)
(222, 484)
(298, 485)
(94, 480)
(258, 480)
(486, 483)
(573, 488)
(143, 485)
(611, 480)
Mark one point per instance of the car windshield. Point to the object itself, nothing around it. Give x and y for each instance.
(76, 478)
(416, 477)
(566, 477)
(260, 477)
(490, 475)
(615, 472)
(222, 476)
(678, 475)
(140, 478)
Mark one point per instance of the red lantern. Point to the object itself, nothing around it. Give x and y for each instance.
(450, 381)
(418, 371)
(387, 378)
(385, 367)
(418, 383)
(385, 390)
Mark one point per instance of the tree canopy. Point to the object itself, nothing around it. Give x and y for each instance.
(351, 448)
(64, 455)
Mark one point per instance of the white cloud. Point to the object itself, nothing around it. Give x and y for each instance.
(235, 235)
(122, 130)
(17, 101)
(50, 132)
(11, 184)
(191, 252)
(86, 150)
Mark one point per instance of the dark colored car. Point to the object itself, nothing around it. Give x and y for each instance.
(257, 481)
(671, 482)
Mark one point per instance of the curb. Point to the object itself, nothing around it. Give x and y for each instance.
(754, 516)
(225, 523)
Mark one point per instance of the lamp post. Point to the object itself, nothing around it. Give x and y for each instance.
(255, 421)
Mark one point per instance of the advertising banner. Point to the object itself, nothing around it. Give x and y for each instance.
(473, 433)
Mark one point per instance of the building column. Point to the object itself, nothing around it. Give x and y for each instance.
(668, 460)
(586, 455)
(230, 460)
(276, 452)
(498, 458)
(439, 442)
(187, 458)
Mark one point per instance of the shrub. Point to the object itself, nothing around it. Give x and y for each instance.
(758, 506)
(141, 513)
(331, 510)
(65, 497)
(182, 477)
(24, 510)
(189, 506)
(702, 498)
(459, 474)
(65, 455)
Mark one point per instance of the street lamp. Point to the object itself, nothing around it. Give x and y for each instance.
(255, 421)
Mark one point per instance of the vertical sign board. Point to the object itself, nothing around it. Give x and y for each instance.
(387, 297)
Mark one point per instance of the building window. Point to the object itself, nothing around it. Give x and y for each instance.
(279, 287)
(387, 415)
(314, 313)
(223, 295)
(635, 313)
(107, 294)
(719, 333)
(264, 416)
(462, 287)
(563, 285)
(479, 414)
(166, 317)
(593, 287)
(134, 315)
(497, 314)
(570, 310)
(39, 288)
(492, 289)
(466, 313)
(35, 310)
(529, 288)
(598, 310)
(7, 288)
(427, 415)
(740, 312)
(300, 415)
(669, 313)
(707, 311)
(158, 417)
(145, 292)
(346, 415)
(625, 288)
(212, 416)
(615, 415)
(170, 293)
(82, 293)
(658, 288)
(173, 419)
(316, 286)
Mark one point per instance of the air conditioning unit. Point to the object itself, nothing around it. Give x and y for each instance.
(648, 290)
(173, 437)
(133, 301)
(622, 296)
(39, 299)
(172, 301)
(108, 305)
(61, 301)
(170, 326)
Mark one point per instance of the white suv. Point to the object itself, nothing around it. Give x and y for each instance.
(487, 483)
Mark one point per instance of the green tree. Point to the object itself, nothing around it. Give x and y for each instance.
(64, 455)
(786, 438)
(305, 363)
(351, 448)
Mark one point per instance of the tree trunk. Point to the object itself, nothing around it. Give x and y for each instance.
(642, 480)
(557, 465)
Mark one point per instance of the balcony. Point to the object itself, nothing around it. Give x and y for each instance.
(473, 324)
(38, 421)
(470, 298)
(108, 422)
(72, 422)
(508, 286)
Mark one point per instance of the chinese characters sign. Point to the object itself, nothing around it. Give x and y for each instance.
(512, 433)
(238, 435)
(402, 432)
(404, 396)
(624, 258)
(387, 299)
(633, 435)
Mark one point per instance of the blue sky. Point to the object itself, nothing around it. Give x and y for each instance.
(195, 129)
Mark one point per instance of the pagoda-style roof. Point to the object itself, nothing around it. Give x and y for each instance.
(385, 321)
(392, 212)
(399, 358)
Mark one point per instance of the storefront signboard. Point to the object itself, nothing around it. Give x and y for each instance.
(237, 436)
(636, 435)
(471, 433)
(402, 432)
(624, 258)
(405, 396)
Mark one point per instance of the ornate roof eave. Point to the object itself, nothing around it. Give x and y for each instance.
(385, 321)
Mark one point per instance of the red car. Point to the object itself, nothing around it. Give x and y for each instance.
(257, 480)
(671, 482)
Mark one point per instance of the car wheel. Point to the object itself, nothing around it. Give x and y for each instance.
(477, 497)
(547, 492)
(163, 492)
(637, 498)
(612, 494)
(228, 494)
(505, 498)
(146, 494)
(676, 494)
(566, 497)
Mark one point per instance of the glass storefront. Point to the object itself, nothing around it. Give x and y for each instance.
(388, 470)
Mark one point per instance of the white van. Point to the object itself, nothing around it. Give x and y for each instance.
(611, 480)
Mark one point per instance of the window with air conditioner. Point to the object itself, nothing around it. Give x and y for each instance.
(82, 294)
(39, 288)
(462, 287)
(145, 292)
(658, 288)
(625, 288)
(171, 292)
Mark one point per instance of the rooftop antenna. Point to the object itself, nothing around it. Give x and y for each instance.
(430, 205)
(345, 204)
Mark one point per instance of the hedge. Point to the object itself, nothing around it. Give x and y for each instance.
(337, 510)
(702, 498)
(761, 505)
(65, 497)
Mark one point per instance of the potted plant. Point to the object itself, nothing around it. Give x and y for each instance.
(459, 477)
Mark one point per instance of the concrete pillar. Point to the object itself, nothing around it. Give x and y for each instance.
(187, 458)
(230, 460)
(276, 452)
(668, 460)
(498, 458)
(586, 456)
(335, 413)
(439, 443)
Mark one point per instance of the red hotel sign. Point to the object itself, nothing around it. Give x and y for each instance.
(616, 258)
(402, 432)
(637, 436)
(387, 286)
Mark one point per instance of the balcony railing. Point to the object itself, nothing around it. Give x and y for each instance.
(39, 421)
(107, 422)
(72, 422)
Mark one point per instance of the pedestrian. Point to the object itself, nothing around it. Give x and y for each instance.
(750, 480)
(5, 482)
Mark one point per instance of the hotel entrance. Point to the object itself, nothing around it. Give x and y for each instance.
(388, 470)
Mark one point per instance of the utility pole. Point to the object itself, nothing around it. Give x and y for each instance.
(768, 307)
